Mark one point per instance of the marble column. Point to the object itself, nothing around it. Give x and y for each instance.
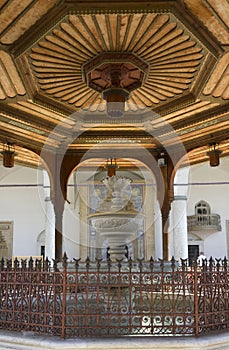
(49, 230)
(179, 227)
(158, 231)
(149, 234)
(49, 221)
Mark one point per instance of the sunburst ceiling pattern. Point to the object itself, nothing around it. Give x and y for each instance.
(173, 56)
(9, 74)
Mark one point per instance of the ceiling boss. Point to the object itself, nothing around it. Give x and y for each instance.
(115, 75)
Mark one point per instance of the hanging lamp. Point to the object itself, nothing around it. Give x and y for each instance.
(8, 154)
(214, 154)
(111, 166)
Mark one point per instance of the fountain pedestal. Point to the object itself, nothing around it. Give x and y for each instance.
(116, 220)
(118, 230)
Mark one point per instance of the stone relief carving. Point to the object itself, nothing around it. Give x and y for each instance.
(6, 239)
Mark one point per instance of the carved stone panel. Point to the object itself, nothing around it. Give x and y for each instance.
(6, 239)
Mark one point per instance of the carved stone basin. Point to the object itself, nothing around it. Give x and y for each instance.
(116, 221)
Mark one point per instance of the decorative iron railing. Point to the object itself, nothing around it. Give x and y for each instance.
(87, 299)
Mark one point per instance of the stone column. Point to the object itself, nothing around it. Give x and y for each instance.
(158, 231)
(84, 234)
(149, 235)
(49, 221)
(49, 230)
(179, 227)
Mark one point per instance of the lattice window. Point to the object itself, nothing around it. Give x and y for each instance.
(202, 211)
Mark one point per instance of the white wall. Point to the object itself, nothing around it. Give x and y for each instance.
(21, 201)
(211, 184)
(24, 204)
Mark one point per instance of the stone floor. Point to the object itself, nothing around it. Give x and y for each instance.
(30, 341)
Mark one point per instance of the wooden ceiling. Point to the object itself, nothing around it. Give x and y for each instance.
(182, 102)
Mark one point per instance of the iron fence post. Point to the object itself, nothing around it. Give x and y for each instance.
(196, 303)
(64, 295)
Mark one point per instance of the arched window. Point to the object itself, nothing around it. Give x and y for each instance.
(202, 212)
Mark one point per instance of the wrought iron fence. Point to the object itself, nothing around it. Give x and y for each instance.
(84, 299)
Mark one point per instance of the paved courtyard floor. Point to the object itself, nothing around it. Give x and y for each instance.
(31, 341)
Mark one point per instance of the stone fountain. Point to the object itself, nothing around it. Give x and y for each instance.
(116, 219)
